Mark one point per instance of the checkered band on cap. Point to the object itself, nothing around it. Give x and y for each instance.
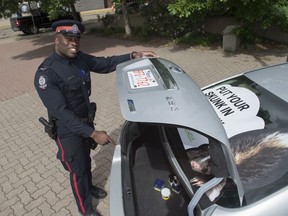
(68, 27)
(73, 29)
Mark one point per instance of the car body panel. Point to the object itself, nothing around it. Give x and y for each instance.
(116, 198)
(276, 83)
(156, 91)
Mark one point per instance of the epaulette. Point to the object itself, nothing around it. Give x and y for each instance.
(45, 64)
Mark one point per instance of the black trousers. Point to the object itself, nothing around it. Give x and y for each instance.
(78, 163)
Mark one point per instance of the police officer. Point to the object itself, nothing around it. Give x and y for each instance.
(63, 84)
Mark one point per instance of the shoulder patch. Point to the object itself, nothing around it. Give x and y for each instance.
(42, 82)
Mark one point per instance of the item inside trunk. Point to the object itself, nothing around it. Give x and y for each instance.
(147, 166)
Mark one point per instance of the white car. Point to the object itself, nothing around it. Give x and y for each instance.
(220, 150)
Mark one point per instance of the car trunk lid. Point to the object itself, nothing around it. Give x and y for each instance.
(158, 91)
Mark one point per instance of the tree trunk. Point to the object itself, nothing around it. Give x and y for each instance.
(74, 13)
(32, 15)
(127, 25)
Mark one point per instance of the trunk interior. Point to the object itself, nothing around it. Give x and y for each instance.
(144, 161)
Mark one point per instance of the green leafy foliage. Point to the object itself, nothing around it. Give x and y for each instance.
(251, 13)
(8, 8)
(188, 8)
(107, 20)
(198, 39)
(53, 7)
(161, 23)
(182, 20)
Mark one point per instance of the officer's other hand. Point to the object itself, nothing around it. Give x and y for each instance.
(143, 54)
(101, 138)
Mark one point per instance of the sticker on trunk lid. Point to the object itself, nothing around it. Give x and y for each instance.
(141, 79)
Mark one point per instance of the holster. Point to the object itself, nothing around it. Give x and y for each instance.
(92, 112)
(91, 142)
(91, 117)
(49, 127)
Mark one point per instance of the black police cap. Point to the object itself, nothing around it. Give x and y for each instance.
(68, 27)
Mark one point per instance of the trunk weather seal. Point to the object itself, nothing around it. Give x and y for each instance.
(174, 163)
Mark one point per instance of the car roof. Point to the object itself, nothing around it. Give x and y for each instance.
(273, 78)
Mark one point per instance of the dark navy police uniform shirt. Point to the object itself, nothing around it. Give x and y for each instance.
(60, 83)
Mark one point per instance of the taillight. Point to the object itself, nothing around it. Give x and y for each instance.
(18, 22)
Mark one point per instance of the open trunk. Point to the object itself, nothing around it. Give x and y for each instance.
(145, 158)
(144, 161)
(169, 120)
(151, 145)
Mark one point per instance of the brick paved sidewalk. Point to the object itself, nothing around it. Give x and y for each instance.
(32, 181)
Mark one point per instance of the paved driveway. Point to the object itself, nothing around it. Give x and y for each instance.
(32, 181)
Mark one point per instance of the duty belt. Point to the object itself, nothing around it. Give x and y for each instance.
(83, 120)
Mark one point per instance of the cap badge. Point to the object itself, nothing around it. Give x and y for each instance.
(75, 29)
